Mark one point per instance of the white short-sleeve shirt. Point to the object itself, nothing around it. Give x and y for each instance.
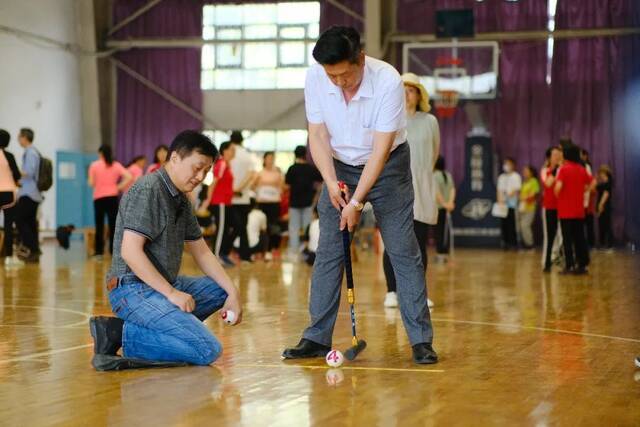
(377, 106)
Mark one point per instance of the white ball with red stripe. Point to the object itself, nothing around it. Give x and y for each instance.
(334, 358)
(229, 317)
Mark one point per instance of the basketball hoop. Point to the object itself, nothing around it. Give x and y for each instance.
(446, 103)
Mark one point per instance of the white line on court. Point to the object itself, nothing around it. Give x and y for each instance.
(45, 353)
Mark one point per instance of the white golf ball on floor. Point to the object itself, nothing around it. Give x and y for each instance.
(229, 317)
(334, 358)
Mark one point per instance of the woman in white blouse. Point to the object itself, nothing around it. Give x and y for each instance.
(423, 136)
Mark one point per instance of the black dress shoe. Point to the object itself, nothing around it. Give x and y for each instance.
(107, 362)
(306, 348)
(107, 334)
(424, 354)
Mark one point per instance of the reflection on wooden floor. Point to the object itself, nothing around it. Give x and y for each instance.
(516, 347)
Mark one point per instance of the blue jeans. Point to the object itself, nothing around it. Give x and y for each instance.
(298, 218)
(155, 329)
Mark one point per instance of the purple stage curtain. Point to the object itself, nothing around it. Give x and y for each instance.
(145, 119)
(331, 15)
(590, 77)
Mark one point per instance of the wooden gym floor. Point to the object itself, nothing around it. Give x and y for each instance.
(516, 347)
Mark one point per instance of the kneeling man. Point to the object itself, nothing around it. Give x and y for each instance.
(160, 314)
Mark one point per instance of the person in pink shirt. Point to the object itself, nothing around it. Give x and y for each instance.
(108, 178)
(159, 158)
(136, 169)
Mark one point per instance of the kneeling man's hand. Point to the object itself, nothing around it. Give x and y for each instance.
(233, 303)
(182, 300)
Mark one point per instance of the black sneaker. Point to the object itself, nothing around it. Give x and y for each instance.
(424, 354)
(306, 349)
(107, 362)
(107, 334)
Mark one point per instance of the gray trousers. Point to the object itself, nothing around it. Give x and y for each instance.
(392, 201)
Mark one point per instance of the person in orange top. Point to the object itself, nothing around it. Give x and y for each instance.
(136, 169)
(108, 178)
(9, 178)
(159, 158)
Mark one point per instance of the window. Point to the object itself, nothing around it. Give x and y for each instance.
(258, 46)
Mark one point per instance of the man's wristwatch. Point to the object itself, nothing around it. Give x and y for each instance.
(359, 206)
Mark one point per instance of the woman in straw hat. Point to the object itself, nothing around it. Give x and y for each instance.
(423, 136)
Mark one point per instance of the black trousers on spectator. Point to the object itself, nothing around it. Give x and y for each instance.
(589, 229)
(105, 206)
(509, 236)
(604, 230)
(550, 230)
(442, 233)
(27, 222)
(238, 217)
(6, 197)
(576, 253)
(272, 211)
(422, 231)
(220, 214)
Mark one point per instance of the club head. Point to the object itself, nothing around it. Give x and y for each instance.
(352, 352)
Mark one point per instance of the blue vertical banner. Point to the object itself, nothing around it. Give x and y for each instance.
(473, 224)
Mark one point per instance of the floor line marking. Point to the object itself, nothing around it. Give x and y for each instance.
(45, 353)
(353, 368)
(471, 322)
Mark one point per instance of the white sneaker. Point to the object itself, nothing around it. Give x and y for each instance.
(268, 256)
(391, 300)
(429, 303)
(638, 362)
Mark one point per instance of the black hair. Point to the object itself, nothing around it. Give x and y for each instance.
(572, 153)
(236, 137)
(225, 146)
(510, 159)
(4, 139)
(338, 44)
(268, 153)
(27, 133)
(534, 171)
(439, 166)
(106, 152)
(300, 152)
(158, 149)
(547, 154)
(136, 159)
(189, 141)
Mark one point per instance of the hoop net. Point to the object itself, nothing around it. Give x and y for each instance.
(446, 103)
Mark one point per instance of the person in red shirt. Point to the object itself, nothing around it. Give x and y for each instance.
(220, 196)
(549, 203)
(572, 181)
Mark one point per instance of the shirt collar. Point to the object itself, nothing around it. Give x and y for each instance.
(173, 190)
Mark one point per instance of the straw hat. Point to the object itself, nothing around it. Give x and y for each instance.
(413, 80)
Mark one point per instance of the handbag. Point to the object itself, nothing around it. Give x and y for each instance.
(500, 210)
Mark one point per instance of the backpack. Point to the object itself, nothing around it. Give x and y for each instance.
(45, 173)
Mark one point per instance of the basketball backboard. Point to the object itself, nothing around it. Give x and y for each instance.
(467, 67)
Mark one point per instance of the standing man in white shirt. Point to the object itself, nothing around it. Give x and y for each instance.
(243, 167)
(357, 134)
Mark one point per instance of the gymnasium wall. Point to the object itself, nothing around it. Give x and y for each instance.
(40, 86)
